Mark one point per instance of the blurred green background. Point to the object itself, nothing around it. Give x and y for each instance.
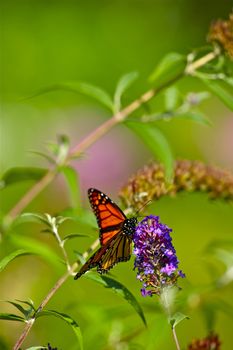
(47, 42)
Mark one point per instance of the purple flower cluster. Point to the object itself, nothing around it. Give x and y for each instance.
(156, 259)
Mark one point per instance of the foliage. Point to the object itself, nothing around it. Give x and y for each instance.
(42, 238)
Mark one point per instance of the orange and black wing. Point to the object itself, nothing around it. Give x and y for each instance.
(115, 250)
(110, 217)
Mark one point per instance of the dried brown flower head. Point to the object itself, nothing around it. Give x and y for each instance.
(221, 32)
(211, 342)
(191, 176)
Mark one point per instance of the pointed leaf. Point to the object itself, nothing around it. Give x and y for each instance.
(226, 257)
(30, 217)
(124, 83)
(38, 248)
(71, 322)
(19, 307)
(217, 88)
(19, 174)
(177, 318)
(154, 139)
(209, 311)
(119, 289)
(11, 317)
(44, 155)
(29, 303)
(79, 87)
(197, 117)
(228, 80)
(170, 66)
(74, 235)
(7, 259)
(72, 180)
(172, 98)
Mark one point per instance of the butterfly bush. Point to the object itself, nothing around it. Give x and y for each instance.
(156, 261)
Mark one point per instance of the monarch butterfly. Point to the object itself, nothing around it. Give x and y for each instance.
(115, 233)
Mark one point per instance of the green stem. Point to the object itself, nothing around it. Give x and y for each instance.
(103, 129)
(175, 338)
(77, 151)
(50, 294)
(32, 193)
(167, 300)
(61, 245)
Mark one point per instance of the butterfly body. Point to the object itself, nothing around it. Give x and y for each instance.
(115, 233)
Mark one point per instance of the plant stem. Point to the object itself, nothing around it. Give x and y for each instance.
(117, 118)
(61, 245)
(175, 338)
(103, 129)
(24, 334)
(32, 193)
(167, 300)
(50, 294)
(77, 151)
(193, 66)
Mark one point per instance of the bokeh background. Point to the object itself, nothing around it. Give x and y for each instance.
(47, 42)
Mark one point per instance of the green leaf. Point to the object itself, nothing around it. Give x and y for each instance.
(217, 88)
(29, 303)
(124, 83)
(226, 257)
(170, 66)
(7, 259)
(154, 139)
(20, 308)
(60, 219)
(177, 318)
(26, 312)
(80, 257)
(38, 248)
(119, 289)
(228, 80)
(11, 317)
(74, 235)
(221, 305)
(72, 180)
(15, 175)
(70, 321)
(79, 87)
(30, 217)
(172, 97)
(197, 117)
(44, 155)
(209, 311)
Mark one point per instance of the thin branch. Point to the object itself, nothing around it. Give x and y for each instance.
(193, 66)
(85, 144)
(103, 129)
(175, 338)
(24, 334)
(61, 245)
(32, 193)
(117, 118)
(75, 152)
(50, 294)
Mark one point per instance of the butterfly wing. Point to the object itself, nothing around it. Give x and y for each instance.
(110, 217)
(115, 250)
(118, 250)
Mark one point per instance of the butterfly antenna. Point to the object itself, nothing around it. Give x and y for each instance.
(147, 202)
